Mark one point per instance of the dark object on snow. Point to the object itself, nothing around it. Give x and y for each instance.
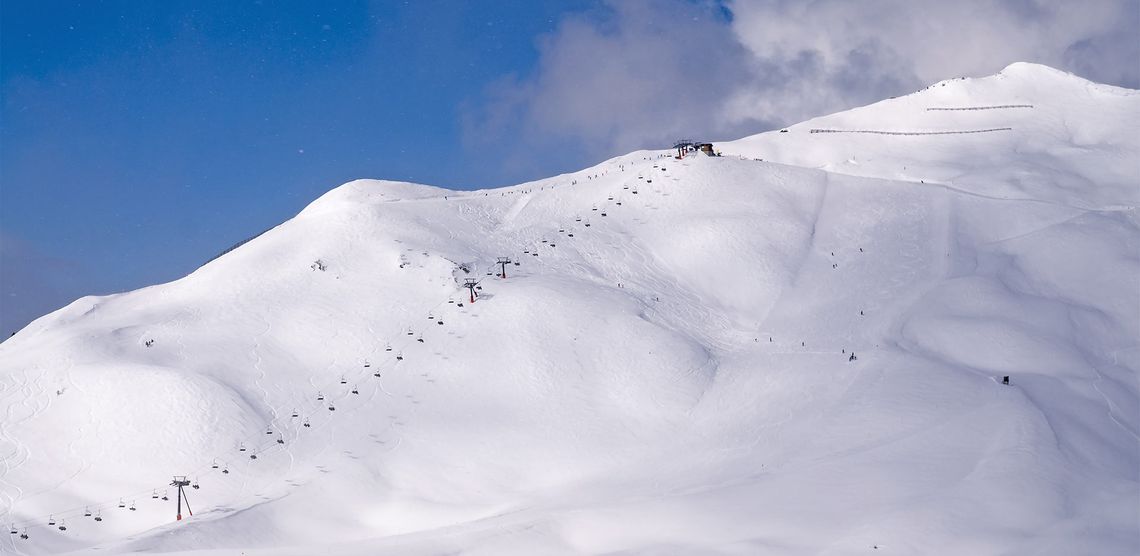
(1005, 379)
(852, 358)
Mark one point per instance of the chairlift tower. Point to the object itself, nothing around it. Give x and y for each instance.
(470, 284)
(503, 262)
(181, 481)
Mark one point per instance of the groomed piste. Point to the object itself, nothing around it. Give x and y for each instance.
(816, 343)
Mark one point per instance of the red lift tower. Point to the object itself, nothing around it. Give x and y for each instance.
(470, 284)
(179, 482)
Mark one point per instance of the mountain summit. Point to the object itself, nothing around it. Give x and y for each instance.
(908, 328)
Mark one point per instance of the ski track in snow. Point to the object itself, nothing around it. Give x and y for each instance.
(432, 455)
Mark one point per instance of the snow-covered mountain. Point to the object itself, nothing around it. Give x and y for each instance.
(795, 348)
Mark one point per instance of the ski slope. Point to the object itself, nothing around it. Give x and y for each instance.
(666, 370)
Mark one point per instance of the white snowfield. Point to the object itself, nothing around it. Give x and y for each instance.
(667, 369)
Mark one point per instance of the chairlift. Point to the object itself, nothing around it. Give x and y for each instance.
(295, 415)
(226, 471)
(343, 380)
(460, 304)
(86, 513)
(253, 456)
(578, 219)
(132, 508)
(571, 234)
(411, 333)
(306, 424)
(268, 431)
(388, 347)
(367, 364)
(165, 497)
(553, 245)
(51, 519)
(279, 441)
(154, 494)
(241, 447)
(626, 187)
(439, 322)
(520, 264)
(561, 230)
(99, 515)
(610, 198)
(420, 338)
(215, 464)
(355, 391)
(14, 530)
(24, 535)
(634, 192)
(320, 397)
(587, 224)
(399, 357)
(595, 209)
(332, 407)
(603, 214)
(544, 241)
(121, 504)
(376, 374)
(63, 525)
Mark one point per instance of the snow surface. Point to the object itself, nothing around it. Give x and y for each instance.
(672, 379)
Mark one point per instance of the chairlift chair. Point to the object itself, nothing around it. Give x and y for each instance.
(241, 447)
(295, 415)
(388, 347)
(268, 431)
(253, 456)
(226, 471)
(24, 535)
(99, 516)
(154, 494)
(121, 504)
(165, 497)
(63, 525)
(320, 397)
(343, 380)
(399, 357)
(86, 513)
(332, 407)
(306, 424)
(132, 508)
(51, 519)
(214, 465)
(279, 441)
(355, 391)
(14, 530)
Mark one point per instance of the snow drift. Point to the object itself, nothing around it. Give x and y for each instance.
(796, 347)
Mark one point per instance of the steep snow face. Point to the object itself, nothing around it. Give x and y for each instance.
(1029, 132)
(710, 355)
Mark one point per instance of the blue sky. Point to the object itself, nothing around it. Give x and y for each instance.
(140, 139)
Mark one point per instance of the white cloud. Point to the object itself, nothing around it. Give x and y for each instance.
(636, 74)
